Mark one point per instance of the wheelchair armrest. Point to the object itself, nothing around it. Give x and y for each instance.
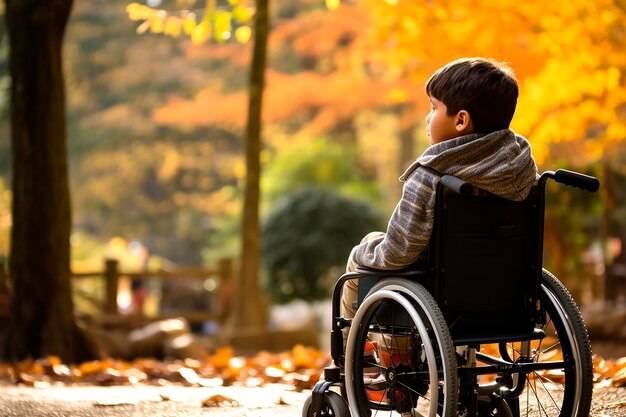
(409, 271)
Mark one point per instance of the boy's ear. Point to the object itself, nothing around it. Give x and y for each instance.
(463, 122)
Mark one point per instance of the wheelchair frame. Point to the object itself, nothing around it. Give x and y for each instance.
(465, 377)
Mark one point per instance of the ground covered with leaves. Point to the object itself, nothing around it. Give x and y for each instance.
(299, 368)
(224, 375)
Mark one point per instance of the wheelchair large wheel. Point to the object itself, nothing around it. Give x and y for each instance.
(333, 405)
(400, 359)
(564, 392)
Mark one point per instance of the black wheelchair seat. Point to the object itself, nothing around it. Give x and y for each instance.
(482, 268)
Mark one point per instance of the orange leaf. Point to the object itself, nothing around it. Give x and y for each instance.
(219, 400)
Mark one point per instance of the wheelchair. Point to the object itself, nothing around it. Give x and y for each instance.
(480, 329)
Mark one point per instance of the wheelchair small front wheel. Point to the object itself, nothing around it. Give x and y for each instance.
(333, 405)
(400, 358)
(493, 406)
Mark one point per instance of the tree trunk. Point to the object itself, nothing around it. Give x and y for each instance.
(607, 194)
(42, 320)
(250, 309)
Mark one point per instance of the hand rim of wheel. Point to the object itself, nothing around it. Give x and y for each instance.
(428, 348)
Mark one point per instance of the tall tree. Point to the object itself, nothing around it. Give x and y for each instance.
(42, 320)
(249, 312)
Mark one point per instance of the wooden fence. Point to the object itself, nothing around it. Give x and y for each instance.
(111, 275)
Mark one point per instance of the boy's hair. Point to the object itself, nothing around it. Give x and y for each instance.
(486, 89)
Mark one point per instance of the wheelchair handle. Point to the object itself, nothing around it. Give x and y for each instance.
(575, 179)
(457, 185)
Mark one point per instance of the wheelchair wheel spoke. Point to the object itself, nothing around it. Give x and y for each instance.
(532, 388)
(551, 391)
(514, 350)
(555, 345)
(412, 392)
(408, 332)
(378, 406)
(542, 408)
(552, 383)
(556, 404)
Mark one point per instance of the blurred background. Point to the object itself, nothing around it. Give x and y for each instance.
(156, 150)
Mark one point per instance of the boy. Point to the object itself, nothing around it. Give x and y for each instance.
(472, 103)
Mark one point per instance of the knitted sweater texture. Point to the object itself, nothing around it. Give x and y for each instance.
(499, 162)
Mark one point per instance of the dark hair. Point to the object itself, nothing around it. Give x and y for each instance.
(486, 89)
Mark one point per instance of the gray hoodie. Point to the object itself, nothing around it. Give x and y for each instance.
(499, 162)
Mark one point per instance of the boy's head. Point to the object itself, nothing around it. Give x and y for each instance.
(477, 95)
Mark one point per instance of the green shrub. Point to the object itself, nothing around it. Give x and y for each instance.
(309, 233)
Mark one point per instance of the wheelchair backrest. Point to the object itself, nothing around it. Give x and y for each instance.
(485, 254)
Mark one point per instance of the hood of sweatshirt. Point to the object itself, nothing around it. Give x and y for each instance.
(500, 162)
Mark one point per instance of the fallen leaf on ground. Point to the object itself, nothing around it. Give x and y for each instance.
(616, 404)
(193, 378)
(219, 400)
(281, 401)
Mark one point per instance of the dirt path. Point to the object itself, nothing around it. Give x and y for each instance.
(609, 402)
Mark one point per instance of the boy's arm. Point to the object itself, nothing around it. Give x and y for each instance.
(409, 229)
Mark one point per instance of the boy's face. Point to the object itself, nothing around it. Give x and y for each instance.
(440, 126)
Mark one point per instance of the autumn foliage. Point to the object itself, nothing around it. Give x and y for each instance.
(300, 368)
(171, 111)
(374, 54)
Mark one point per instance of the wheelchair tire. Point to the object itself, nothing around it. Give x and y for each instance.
(562, 392)
(415, 370)
(333, 405)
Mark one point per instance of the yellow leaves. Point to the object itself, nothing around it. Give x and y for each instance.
(242, 14)
(157, 21)
(332, 4)
(239, 169)
(616, 132)
(569, 60)
(201, 33)
(170, 165)
(189, 23)
(398, 95)
(243, 34)
(223, 26)
(440, 13)
(613, 76)
(173, 26)
(571, 100)
(138, 11)
(217, 23)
